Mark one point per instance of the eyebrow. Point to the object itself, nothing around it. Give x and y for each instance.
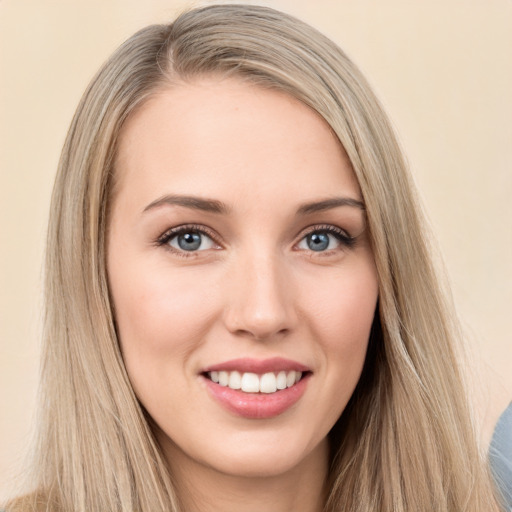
(215, 206)
(196, 203)
(327, 204)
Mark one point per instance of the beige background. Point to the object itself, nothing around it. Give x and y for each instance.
(442, 68)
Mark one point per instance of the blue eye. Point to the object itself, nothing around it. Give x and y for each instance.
(319, 241)
(325, 239)
(189, 240)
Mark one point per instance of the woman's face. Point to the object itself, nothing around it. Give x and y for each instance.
(238, 256)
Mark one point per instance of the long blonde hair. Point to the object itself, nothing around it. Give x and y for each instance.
(405, 442)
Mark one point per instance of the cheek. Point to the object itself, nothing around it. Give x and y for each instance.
(341, 314)
(161, 319)
(159, 313)
(344, 307)
(340, 317)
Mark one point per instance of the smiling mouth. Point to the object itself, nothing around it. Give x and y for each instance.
(248, 382)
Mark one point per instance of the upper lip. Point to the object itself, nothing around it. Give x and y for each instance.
(259, 366)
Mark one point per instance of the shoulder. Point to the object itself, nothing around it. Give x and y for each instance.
(500, 455)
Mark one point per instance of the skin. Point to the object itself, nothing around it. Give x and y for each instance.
(255, 289)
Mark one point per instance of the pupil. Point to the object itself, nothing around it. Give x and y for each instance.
(189, 241)
(318, 241)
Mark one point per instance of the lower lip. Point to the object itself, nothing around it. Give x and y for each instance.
(257, 405)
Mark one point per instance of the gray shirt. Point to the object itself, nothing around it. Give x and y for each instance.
(500, 456)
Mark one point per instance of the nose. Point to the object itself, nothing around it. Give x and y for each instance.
(260, 304)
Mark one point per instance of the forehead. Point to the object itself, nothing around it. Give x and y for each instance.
(216, 135)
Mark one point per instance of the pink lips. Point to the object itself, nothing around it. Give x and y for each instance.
(257, 405)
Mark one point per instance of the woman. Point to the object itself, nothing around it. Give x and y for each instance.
(242, 312)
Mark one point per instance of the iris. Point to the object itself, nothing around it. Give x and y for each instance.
(189, 241)
(318, 241)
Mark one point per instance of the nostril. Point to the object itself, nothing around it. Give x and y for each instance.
(262, 334)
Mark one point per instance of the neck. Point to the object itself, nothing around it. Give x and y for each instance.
(301, 489)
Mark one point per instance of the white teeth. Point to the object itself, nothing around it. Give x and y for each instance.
(253, 383)
(268, 383)
(223, 378)
(235, 380)
(280, 381)
(250, 383)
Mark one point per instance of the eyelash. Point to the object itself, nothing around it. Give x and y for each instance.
(163, 241)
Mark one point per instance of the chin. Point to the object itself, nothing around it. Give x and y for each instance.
(257, 465)
(263, 458)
